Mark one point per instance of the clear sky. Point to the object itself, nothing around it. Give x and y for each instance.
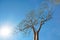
(13, 11)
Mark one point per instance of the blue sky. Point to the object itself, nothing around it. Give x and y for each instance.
(14, 11)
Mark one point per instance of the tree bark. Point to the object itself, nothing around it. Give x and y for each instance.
(36, 35)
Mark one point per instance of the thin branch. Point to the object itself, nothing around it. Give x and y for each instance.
(33, 28)
(39, 28)
(48, 17)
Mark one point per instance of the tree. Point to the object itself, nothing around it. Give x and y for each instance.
(33, 19)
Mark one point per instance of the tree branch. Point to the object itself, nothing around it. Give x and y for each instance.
(40, 27)
(44, 20)
(33, 28)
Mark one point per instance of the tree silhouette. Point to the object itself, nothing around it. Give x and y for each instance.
(33, 19)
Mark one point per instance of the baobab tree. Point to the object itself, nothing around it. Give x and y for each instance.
(34, 18)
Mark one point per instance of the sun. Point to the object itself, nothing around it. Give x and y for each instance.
(5, 31)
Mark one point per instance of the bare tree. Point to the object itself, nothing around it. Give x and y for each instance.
(36, 18)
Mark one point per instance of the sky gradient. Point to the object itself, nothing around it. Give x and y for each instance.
(13, 11)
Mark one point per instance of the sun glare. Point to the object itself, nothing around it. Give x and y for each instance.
(5, 31)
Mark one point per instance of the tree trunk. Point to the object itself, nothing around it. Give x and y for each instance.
(36, 35)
